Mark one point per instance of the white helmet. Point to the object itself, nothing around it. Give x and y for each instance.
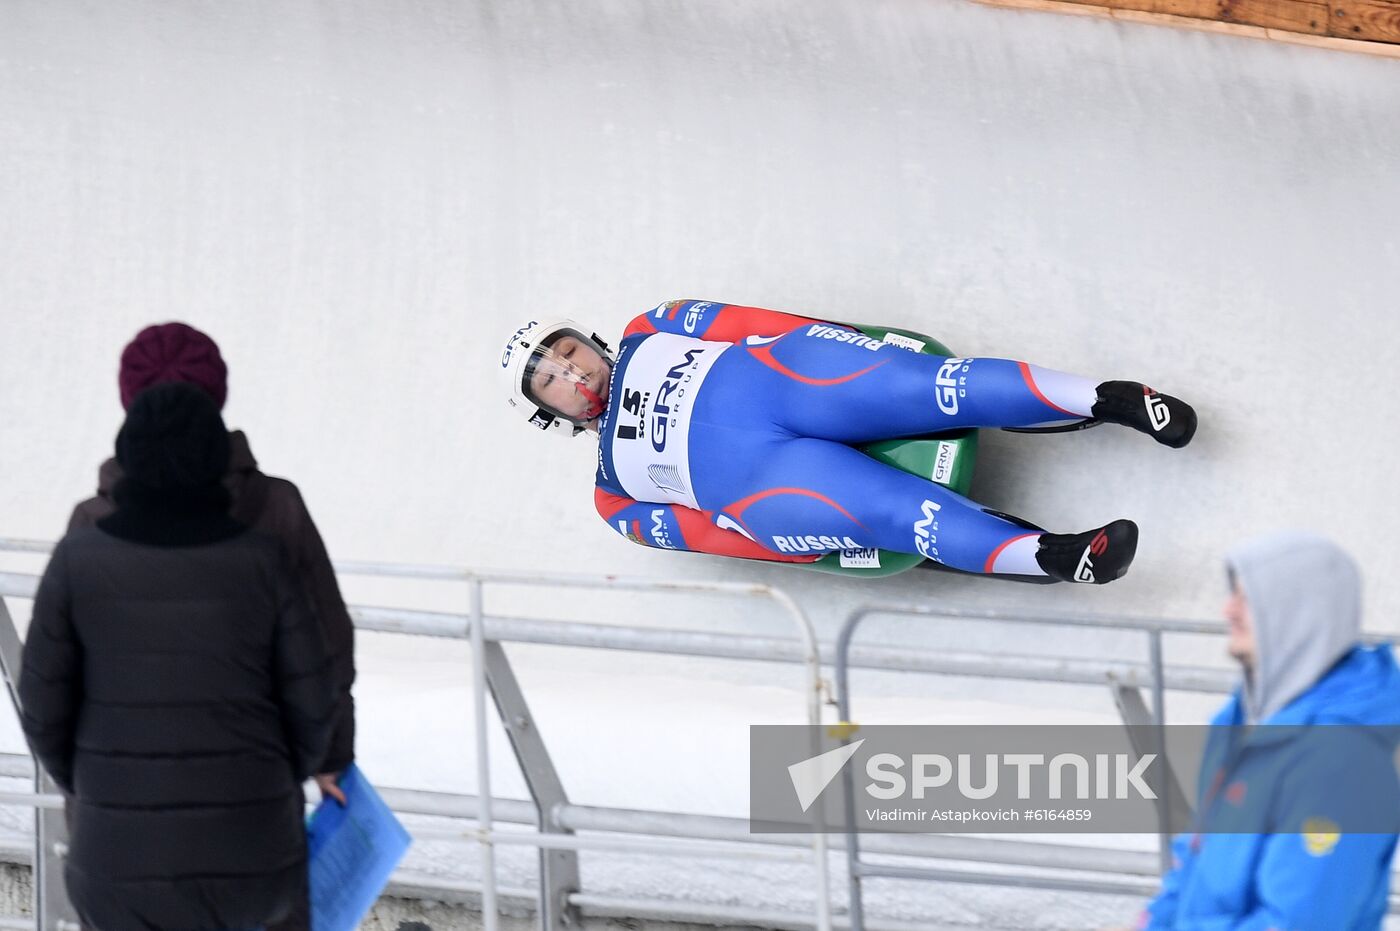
(530, 351)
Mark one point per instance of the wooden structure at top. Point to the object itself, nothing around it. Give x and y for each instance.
(1371, 26)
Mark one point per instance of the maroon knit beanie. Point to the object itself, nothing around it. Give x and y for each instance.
(172, 352)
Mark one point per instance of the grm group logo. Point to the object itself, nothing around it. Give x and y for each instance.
(695, 314)
(510, 343)
(659, 532)
(926, 531)
(943, 462)
(661, 410)
(903, 342)
(867, 557)
(949, 384)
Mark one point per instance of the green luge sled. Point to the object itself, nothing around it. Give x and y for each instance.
(945, 458)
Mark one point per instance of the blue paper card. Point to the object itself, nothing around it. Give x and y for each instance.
(353, 849)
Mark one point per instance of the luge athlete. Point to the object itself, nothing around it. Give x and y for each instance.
(729, 430)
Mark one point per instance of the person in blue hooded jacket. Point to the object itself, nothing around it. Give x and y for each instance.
(1314, 809)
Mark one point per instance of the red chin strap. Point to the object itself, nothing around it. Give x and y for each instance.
(595, 403)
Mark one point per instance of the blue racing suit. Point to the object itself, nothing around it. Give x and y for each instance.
(730, 430)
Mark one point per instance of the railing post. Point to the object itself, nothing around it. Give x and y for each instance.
(812, 662)
(52, 910)
(1159, 722)
(559, 874)
(856, 906)
(483, 762)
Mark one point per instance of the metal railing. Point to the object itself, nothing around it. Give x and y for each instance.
(811, 660)
(1050, 670)
(1019, 863)
(559, 896)
(1153, 628)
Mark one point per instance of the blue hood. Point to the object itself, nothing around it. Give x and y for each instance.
(1304, 596)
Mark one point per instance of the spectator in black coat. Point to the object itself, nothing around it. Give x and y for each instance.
(175, 683)
(169, 352)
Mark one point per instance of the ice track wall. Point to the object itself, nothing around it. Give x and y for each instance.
(360, 200)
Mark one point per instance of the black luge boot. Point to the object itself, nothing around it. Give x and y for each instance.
(1168, 420)
(1094, 556)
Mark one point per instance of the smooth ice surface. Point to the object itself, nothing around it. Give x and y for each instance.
(361, 200)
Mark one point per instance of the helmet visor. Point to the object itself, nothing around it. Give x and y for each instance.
(567, 375)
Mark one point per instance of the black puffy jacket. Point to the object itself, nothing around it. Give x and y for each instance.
(275, 506)
(176, 684)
